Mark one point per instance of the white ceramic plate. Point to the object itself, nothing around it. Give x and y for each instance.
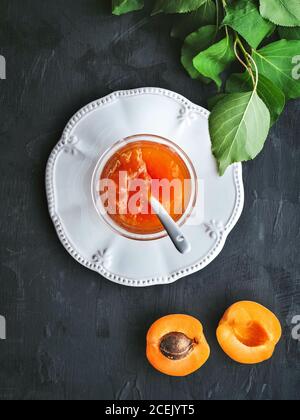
(70, 169)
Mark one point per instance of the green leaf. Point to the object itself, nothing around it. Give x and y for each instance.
(277, 62)
(239, 126)
(289, 33)
(243, 16)
(213, 61)
(272, 96)
(205, 15)
(212, 102)
(194, 43)
(281, 12)
(120, 7)
(177, 6)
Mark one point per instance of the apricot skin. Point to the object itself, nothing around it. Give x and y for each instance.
(249, 333)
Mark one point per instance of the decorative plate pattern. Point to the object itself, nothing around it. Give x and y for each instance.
(69, 172)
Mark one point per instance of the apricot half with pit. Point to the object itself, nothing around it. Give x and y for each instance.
(176, 345)
(248, 333)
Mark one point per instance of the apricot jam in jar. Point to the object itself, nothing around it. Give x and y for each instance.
(131, 172)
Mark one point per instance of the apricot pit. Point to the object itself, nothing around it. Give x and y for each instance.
(176, 346)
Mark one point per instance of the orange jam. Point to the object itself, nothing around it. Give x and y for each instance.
(151, 163)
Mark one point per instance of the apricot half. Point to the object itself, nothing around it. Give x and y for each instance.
(248, 333)
(176, 345)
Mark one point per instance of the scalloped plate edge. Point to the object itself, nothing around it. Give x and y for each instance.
(98, 268)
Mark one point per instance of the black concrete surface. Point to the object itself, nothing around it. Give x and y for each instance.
(70, 333)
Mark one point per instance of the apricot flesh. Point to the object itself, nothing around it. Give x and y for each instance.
(176, 345)
(249, 333)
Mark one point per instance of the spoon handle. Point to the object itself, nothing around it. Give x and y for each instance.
(176, 235)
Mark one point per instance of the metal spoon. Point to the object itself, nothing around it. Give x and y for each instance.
(176, 235)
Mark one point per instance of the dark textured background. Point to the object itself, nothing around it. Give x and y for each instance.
(72, 334)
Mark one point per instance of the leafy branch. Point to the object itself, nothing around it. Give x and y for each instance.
(264, 37)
